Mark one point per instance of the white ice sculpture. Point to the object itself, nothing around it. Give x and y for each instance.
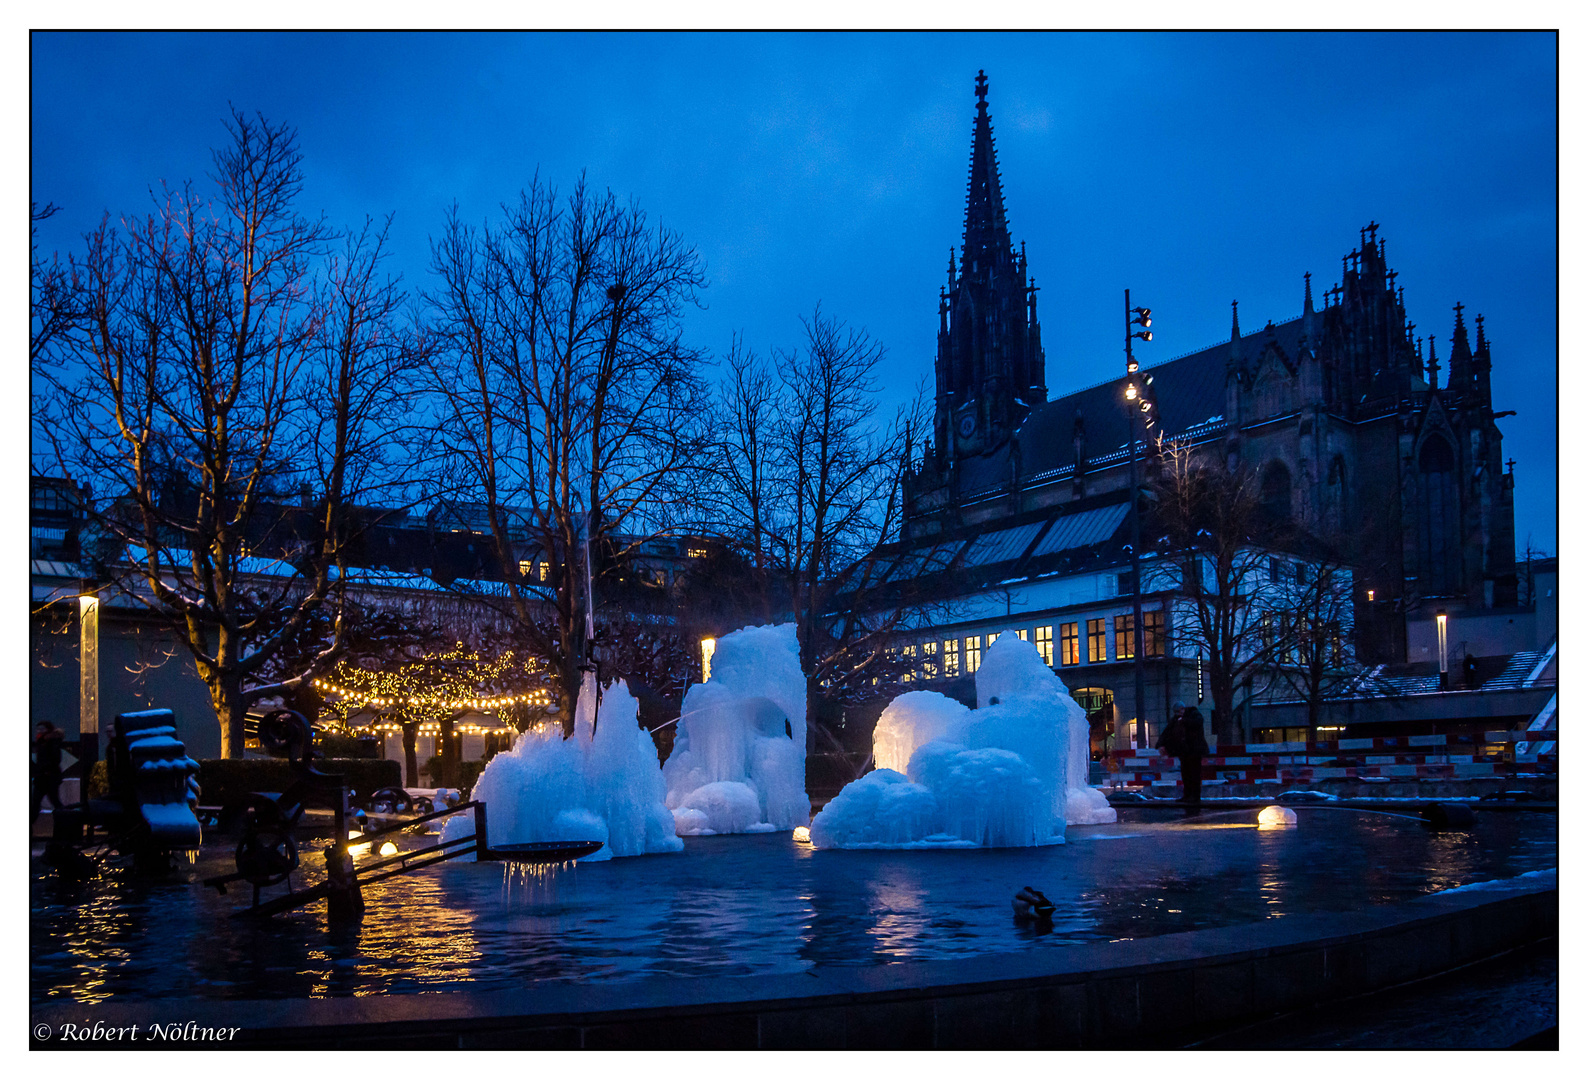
(1010, 773)
(738, 760)
(602, 784)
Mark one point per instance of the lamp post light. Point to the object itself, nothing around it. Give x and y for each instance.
(1444, 665)
(1135, 405)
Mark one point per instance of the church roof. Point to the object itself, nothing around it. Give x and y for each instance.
(1189, 398)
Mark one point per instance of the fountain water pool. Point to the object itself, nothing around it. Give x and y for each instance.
(746, 905)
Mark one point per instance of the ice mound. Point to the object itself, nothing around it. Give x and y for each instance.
(738, 760)
(602, 784)
(1010, 773)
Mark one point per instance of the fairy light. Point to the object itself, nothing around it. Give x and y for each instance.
(434, 688)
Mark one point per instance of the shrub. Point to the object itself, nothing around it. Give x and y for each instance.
(223, 780)
(347, 746)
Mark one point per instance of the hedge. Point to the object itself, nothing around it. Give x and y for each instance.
(346, 746)
(223, 779)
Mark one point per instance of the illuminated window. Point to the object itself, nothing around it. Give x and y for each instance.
(1021, 634)
(929, 659)
(1045, 644)
(1268, 630)
(697, 553)
(907, 654)
(1152, 627)
(1069, 644)
(951, 658)
(972, 654)
(1096, 646)
(1124, 637)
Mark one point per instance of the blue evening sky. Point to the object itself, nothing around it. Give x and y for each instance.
(1194, 169)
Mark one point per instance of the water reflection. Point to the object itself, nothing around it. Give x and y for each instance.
(744, 905)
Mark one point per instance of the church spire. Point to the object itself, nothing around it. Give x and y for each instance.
(986, 228)
(1460, 356)
(1480, 365)
(990, 344)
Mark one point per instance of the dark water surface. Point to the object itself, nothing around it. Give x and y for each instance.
(745, 905)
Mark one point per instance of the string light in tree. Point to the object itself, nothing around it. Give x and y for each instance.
(438, 687)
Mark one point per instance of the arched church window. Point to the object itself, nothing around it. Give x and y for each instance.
(1439, 517)
(1276, 490)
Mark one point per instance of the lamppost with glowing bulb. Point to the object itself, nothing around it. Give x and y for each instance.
(1136, 404)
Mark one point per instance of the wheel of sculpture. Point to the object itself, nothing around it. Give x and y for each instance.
(267, 853)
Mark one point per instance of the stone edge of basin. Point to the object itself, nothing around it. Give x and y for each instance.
(1101, 994)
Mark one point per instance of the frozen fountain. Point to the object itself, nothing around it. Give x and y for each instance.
(738, 760)
(602, 784)
(1010, 773)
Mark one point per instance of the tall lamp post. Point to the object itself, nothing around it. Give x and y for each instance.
(1135, 405)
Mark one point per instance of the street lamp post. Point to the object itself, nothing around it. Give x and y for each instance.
(1135, 403)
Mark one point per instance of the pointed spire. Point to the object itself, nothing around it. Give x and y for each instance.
(1480, 367)
(986, 226)
(1234, 361)
(1433, 364)
(1460, 356)
(1306, 307)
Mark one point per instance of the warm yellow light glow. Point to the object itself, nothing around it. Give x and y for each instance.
(708, 646)
(1274, 817)
(388, 848)
(1130, 392)
(802, 835)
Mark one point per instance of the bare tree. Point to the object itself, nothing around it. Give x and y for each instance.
(808, 492)
(570, 407)
(233, 393)
(1313, 656)
(1215, 542)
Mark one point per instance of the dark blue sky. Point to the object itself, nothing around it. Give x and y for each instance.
(1194, 169)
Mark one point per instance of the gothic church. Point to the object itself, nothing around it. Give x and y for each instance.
(1340, 411)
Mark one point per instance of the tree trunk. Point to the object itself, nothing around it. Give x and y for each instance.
(448, 753)
(411, 754)
(226, 695)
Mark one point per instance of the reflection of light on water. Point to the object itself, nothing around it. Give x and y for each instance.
(900, 920)
(802, 835)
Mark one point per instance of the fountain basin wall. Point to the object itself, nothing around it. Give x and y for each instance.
(1142, 993)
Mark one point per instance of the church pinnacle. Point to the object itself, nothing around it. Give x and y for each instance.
(990, 368)
(987, 242)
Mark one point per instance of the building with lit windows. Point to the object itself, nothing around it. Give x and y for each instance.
(1020, 504)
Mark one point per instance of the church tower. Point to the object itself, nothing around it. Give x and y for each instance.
(990, 370)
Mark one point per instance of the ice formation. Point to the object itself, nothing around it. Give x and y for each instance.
(1010, 773)
(738, 760)
(602, 784)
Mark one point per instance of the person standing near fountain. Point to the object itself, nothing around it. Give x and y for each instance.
(47, 767)
(1183, 739)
